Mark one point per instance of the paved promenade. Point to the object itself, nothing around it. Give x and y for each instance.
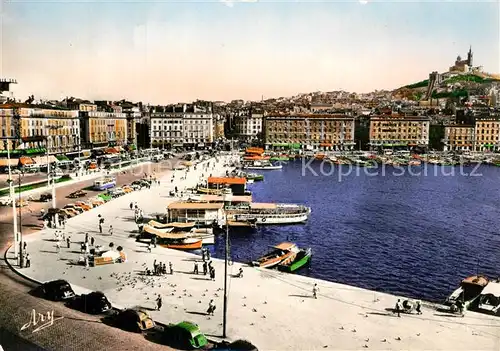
(273, 310)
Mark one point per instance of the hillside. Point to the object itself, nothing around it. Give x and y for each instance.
(461, 83)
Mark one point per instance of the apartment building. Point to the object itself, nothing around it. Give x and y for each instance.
(248, 124)
(459, 137)
(309, 131)
(399, 130)
(39, 129)
(102, 128)
(487, 134)
(182, 125)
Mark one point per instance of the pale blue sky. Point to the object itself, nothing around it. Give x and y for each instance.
(165, 52)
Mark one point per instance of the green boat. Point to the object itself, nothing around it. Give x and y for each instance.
(279, 158)
(255, 177)
(303, 257)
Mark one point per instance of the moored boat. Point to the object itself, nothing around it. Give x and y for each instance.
(281, 252)
(183, 244)
(262, 165)
(468, 292)
(302, 258)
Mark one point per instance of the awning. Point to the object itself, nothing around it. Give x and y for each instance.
(326, 145)
(111, 150)
(24, 160)
(295, 146)
(43, 160)
(62, 158)
(4, 162)
(41, 150)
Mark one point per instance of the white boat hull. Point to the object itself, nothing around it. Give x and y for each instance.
(263, 220)
(207, 239)
(264, 167)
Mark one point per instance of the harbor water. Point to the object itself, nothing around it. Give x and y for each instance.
(410, 231)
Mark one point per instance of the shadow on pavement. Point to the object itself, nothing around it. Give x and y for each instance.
(302, 296)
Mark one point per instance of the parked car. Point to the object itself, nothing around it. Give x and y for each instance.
(67, 212)
(45, 197)
(135, 320)
(76, 194)
(135, 186)
(74, 207)
(55, 290)
(117, 192)
(21, 203)
(5, 201)
(184, 335)
(94, 303)
(127, 189)
(85, 205)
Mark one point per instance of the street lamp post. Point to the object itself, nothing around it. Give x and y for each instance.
(13, 199)
(21, 256)
(227, 202)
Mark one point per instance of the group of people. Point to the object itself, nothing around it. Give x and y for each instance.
(160, 268)
(101, 224)
(407, 306)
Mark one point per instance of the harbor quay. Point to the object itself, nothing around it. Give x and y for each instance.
(273, 310)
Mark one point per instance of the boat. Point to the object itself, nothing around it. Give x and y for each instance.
(468, 292)
(414, 162)
(254, 176)
(104, 183)
(270, 213)
(280, 252)
(279, 158)
(301, 259)
(262, 165)
(183, 244)
(319, 156)
(489, 299)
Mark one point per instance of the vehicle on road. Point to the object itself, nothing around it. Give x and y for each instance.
(105, 183)
(85, 205)
(55, 290)
(94, 303)
(45, 197)
(74, 207)
(184, 335)
(5, 201)
(135, 320)
(127, 189)
(68, 212)
(76, 194)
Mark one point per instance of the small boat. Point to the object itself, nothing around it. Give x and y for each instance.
(183, 244)
(319, 156)
(263, 165)
(279, 253)
(301, 259)
(469, 290)
(255, 177)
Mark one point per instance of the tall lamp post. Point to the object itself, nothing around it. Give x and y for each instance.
(51, 174)
(13, 199)
(227, 202)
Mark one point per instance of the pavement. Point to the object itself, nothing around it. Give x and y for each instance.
(274, 310)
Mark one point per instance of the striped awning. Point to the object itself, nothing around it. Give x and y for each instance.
(43, 160)
(25, 160)
(4, 162)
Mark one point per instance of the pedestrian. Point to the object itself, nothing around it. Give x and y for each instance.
(92, 240)
(419, 307)
(149, 248)
(203, 253)
(397, 308)
(164, 269)
(131, 205)
(205, 268)
(460, 307)
(58, 247)
(158, 302)
(211, 308)
(86, 237)
(240, 272)
(212, 273)
(110, 230)
(155, 266)
(154, 241)
(68, 241)
(100, 228)
(195, 270)
(171, 267)
(315, 291)
(24, 245)
(28, 261)
(208, 255)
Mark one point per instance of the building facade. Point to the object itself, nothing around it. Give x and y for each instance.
(309, 131)
(40, 129)
(101, 129)
(398, 130)
(249, 124)
(182, 126)
(459, 137)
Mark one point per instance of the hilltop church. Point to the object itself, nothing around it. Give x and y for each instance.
(463, 66)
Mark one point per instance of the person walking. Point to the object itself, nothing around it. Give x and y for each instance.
(100, 228)
(164, 269)
(211, 308)
(315, 291)
(68, 241)
(58, 247)
(28, 261)
(418, 308)
(92, 241)
(205, 268)
(24, 245)
(171, 267)
(195, 270)
(398, 308)
(110, 229)
(131, 205)
(86, 237)
(158, 302)
(149, 248)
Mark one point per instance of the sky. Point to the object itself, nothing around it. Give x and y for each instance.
(164, 51)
